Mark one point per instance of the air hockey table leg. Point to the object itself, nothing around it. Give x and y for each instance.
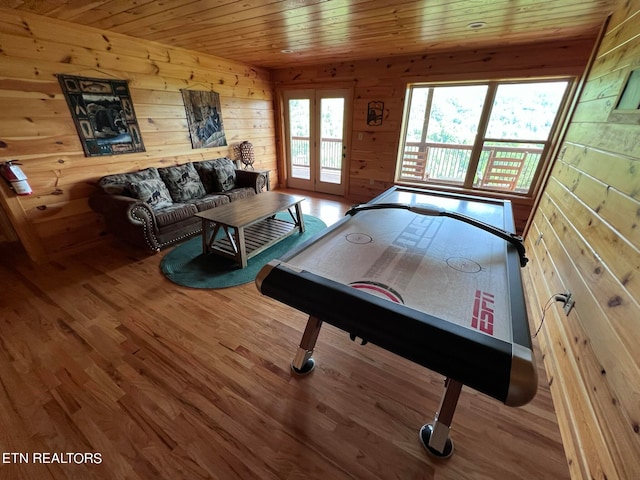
(303, 363)
(435, 437)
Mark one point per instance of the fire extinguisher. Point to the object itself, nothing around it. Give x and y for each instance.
(16, 178)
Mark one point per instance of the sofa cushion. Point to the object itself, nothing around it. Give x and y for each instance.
(210, 201)
(217, 175)
(174, 213)
(118, 184)
(153, 191)
(183, 182)
(238, 193)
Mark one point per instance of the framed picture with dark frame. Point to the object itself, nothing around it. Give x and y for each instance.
(103, 114)
(375, 112)
(204, 115)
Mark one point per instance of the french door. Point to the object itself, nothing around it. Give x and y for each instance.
(316, 132)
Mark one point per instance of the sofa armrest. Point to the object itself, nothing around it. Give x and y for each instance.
(128, 219)
(251, 179)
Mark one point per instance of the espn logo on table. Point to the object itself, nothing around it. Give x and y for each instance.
(482, 318)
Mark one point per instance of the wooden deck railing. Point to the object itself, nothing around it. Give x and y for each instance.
(422, 161)
(330, 158)
(330, 152)
(449, 162)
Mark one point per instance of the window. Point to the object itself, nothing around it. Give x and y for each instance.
(630, 97)
(488, 136)
(627, 107)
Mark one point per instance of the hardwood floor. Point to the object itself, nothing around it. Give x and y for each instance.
(100, 354)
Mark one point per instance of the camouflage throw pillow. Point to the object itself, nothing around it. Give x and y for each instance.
(118, 183)
(153, 192)
(218, 175)
(183, 182)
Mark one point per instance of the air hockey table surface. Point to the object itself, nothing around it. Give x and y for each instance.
(434, 289)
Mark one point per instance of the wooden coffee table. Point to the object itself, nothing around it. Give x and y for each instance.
(249, 225)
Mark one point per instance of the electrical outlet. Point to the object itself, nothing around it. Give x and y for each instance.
(568, 303)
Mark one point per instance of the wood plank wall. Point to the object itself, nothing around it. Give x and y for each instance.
(585, 237)
(7, 233)
(373, 149)
(36, 127)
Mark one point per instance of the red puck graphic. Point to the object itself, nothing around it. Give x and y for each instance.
(379, 290)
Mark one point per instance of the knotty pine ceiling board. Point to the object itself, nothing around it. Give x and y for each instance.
(278, 34)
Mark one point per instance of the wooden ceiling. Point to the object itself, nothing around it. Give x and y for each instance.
(281, 33)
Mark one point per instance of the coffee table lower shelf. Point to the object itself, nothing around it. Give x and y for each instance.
(257, 238)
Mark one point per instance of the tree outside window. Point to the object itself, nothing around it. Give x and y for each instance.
(489, 136)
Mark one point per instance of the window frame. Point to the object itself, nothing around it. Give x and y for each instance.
(548, 152)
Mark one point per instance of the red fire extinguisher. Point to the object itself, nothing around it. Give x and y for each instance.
(16, 178)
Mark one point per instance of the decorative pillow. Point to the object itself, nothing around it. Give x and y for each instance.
(183, 182)
(218, 175)
(153, 192)
(118, 183)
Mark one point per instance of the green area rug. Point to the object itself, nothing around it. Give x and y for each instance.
(187, 266)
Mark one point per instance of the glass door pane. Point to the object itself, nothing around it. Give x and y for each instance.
(300, 128)
(299, 138)
(331, 139)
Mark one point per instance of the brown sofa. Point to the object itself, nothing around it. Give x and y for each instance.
(154, 208)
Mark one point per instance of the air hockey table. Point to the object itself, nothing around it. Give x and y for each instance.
(429, 276)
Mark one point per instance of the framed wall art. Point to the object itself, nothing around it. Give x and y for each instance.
(204, 115)
(375, 112)
(103, 113)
